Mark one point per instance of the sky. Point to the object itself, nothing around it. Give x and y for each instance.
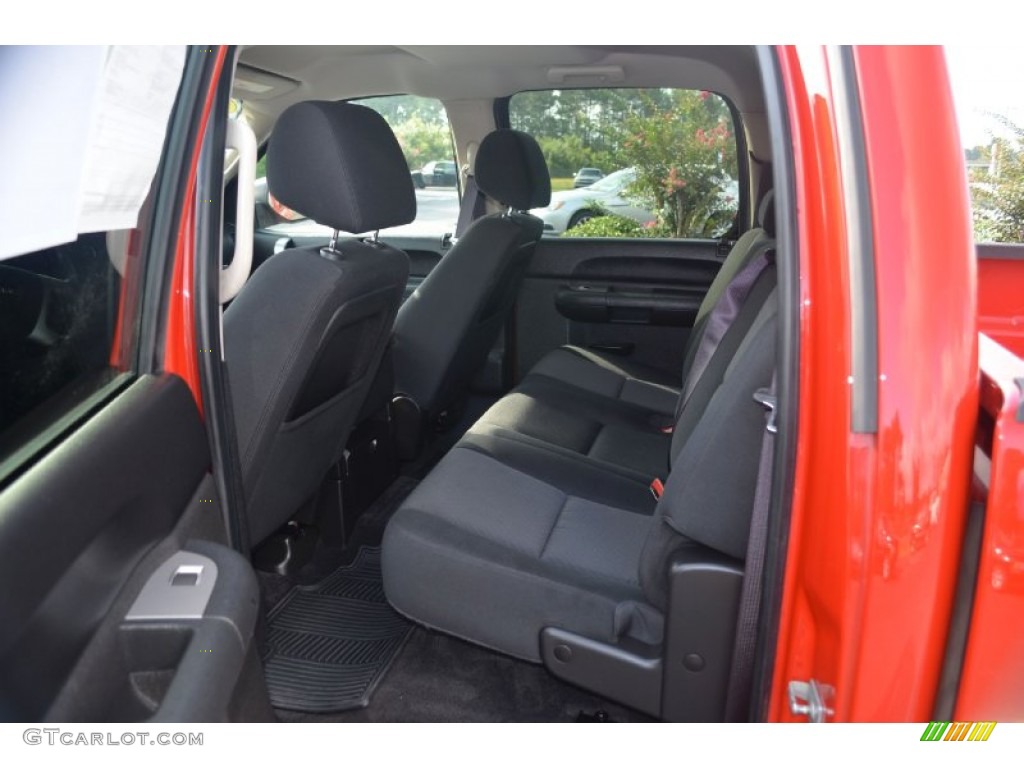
(986, 79)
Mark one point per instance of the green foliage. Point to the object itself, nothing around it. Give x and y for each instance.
(420, 124)
(422, 142)
(998, 199)
(684, 154)
(681, 142)
(581, 128)
(610, 225)
(567, 154)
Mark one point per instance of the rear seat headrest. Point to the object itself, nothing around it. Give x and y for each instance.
(511, 169)
(766, 213)
(340, 164)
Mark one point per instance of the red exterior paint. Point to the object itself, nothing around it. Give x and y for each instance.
(877, 520)
(1001, 301)
(992, 681)
(123, 344)
(180, 342)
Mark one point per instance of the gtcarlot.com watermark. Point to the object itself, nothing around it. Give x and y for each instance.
(59, 736)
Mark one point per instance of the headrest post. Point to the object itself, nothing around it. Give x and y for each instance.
(334, 240)
(375, 236)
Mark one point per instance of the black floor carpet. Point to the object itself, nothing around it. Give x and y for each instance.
(328, 645)
(437, 678)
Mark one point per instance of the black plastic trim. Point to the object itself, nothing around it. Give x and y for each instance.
(700, 631)
(960, 620)
(502, 119)
(629, 672)
(216, 391)
(634, 307)
(863, 288)
(745, 215)
(1000, 251)
(787, 370)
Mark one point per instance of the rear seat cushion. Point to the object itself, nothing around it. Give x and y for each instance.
(638, 385)
(584, 424)
(491, 554)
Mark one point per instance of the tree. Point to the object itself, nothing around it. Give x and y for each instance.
(998, 201)
(684, 153)
(423, 141)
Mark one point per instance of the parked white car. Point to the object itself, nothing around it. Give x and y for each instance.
(571, 207)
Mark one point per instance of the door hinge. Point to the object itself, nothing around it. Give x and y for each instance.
(811, 699)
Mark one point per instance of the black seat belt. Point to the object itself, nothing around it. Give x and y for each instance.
(741, 677)
(472, 207)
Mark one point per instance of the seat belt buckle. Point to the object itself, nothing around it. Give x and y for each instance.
(765, 398)
(657, 488)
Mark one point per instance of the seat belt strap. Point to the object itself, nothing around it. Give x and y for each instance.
(721, 317)
(472, 208)
(741, 676)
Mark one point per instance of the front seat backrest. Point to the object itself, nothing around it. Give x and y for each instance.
(305, 336)
(446, 328)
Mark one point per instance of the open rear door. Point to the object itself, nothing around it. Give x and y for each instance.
(121, 600)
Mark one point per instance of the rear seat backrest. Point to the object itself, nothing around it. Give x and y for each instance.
(749, 245)
(709, 494)
(711, 377)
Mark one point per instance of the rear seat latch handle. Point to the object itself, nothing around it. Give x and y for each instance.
(765, 397)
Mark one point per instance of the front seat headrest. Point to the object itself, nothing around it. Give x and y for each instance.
(766, 213)
(340, 164)
(510, 168)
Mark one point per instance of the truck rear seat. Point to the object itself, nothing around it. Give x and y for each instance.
(605, 409)
(542, 516)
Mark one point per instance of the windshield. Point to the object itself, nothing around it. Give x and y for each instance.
(614, 181)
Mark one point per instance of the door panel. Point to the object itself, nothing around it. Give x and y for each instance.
(78, 522)
(635, 298)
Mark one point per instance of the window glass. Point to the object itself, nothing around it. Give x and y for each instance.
(421, 126)
(634, 162)
(59, 315)
(988, 88)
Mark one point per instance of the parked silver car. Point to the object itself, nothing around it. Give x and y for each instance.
(571, 207)
(586, 176)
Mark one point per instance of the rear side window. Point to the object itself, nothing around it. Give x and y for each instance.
(59, 317)
(73, 209)
(421, 127)
(634, 162)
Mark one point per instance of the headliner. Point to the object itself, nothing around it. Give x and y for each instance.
(270, 78)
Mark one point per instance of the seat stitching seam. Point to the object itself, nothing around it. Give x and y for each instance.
(554, 525)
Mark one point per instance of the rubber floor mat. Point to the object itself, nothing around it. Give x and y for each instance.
(328, 645)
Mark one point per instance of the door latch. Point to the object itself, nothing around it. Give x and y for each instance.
(810, 699)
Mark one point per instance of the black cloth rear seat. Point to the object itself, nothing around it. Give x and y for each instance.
(542, 515)
(602, 407)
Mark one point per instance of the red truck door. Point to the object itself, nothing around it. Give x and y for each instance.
(888, 384)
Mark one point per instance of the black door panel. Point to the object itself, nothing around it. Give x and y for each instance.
(140, 667)
(635, 298)
(77, 524)
(638, 305)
